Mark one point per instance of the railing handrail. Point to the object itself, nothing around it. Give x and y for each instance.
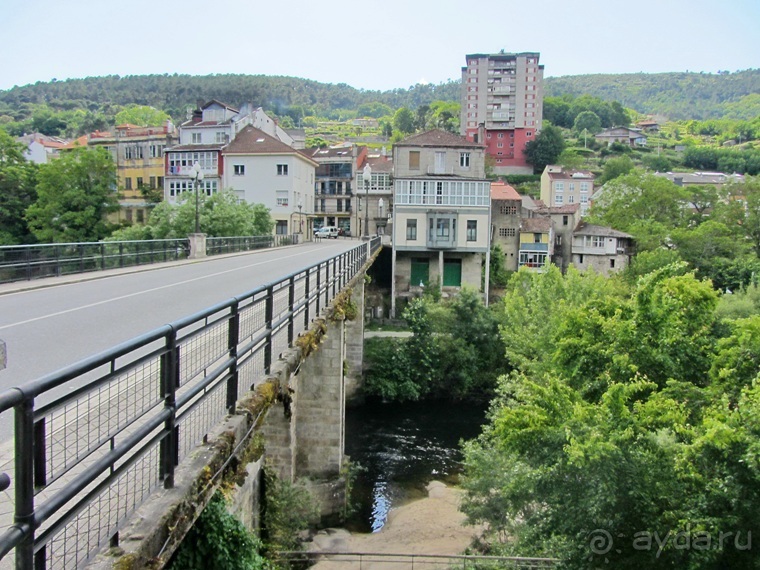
(145, 428)
(308, 555)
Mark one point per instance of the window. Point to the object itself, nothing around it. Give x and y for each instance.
(564, 220)
(472, 230)
(140, 216)
(537, 238)
(594, 241)
(508, 210)
(584, 199)
(501, 135)
(559, 187)
(411, 229)
(127, 183)
(559, 199)
(443, 228)
(238, 169)
(128, 213)
(156, 150)
(584, 186)
(439, 193)
(464, 160)
(221, 137)
(571, 199)
(612, 264)
(282, 170)
(196, 138)
(282, 197)
(507, 232)
(160, 181)
(500, 145)
(152, 182)
(580, 258)
(139, 181)
(282, 227)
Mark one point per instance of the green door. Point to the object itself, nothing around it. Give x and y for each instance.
(452, 273)
(420, 272)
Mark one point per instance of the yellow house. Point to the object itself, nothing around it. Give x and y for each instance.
(536, 244)
(139, 156)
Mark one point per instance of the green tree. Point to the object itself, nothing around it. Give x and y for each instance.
(17, 191)
(614, 167)
(545, 148)
(587, 120)
(220, 215)
(74, 195)
(142, 116)
(404, 121)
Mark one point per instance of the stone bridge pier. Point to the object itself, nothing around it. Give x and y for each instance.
(305, 437)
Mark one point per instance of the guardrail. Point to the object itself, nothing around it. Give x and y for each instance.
(411, 561)
(28, 262)
(87, 459)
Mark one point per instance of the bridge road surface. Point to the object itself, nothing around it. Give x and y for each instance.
(51, 323)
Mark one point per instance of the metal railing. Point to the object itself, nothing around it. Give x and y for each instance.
(28, 262)
(219, 245)
(86, 460)
(411, 561)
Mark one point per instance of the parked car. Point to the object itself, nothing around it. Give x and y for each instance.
(327, 232)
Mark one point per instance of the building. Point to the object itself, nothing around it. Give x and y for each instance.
(502, 106)
(564, 219)
(138, 153)
(623, 135)
(560, 187)
(506, 206)
(378, 195)
(441, 213)
(263, 170)
(600, 248)
(536, 243)
(40, 148)
(335, 184)
(716, 179)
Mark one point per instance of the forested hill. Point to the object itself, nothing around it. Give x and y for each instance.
(174, 93)
(674, 95)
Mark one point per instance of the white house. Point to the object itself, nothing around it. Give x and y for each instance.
(263, 170)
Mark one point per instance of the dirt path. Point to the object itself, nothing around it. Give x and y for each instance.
(432, 525)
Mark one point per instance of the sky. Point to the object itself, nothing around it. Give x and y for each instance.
(379, 45)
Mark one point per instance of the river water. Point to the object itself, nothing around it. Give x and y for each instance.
(401, 448)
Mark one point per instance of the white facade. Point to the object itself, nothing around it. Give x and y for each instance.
(279, 182)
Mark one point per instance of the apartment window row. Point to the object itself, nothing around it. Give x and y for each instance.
(507, 232)
(177, 187)
(179, 161)
(447, 193)
(133, 152)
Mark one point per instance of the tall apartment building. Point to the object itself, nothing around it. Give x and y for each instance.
(502, 106)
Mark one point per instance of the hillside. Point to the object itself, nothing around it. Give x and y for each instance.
(678, 96)
(174, 93)
(674, 95)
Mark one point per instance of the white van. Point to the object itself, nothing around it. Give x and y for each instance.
(327, 232)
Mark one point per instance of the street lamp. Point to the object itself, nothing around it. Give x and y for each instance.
(367, 178)
(380, 204)
(196, 175)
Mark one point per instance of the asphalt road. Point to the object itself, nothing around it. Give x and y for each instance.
(56, 325)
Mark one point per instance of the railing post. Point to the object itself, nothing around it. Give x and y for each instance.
(28, 264)
(121, 254)
(233, 337)
(268, 317)
(102, 256)
(308, 301)
(169, 448)
(24, 516)
(335, 277)
(57, 253)
(81, 257)
(291, 302)
(319, 290)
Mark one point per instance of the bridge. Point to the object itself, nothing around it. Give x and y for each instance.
(123, 448)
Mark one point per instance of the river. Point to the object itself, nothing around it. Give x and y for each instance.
(401, 448)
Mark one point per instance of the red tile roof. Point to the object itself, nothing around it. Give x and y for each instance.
(438, 137)
(502, 191)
